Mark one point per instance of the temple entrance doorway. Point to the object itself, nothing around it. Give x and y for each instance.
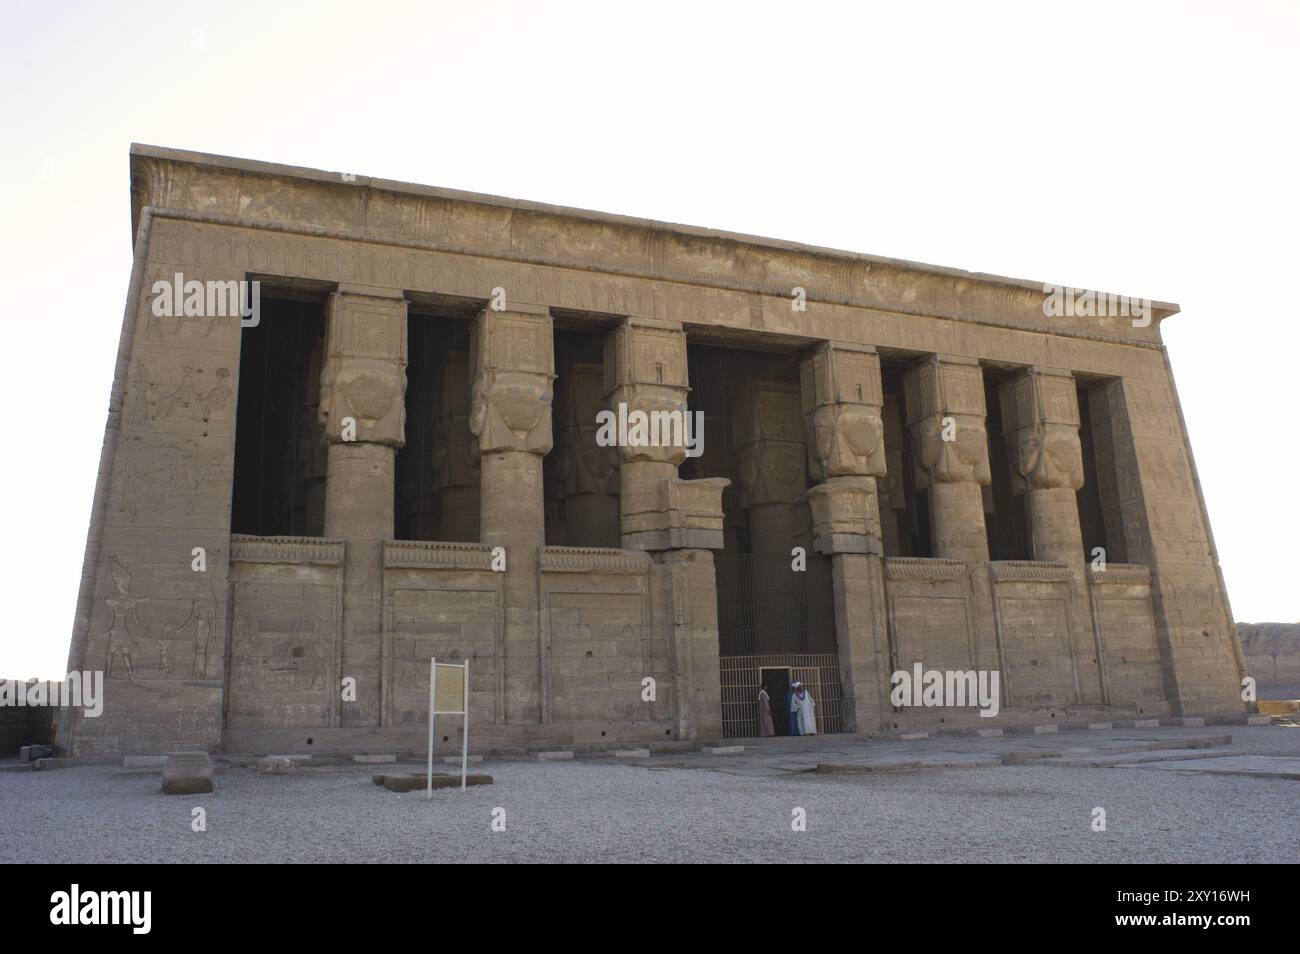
(776, 608)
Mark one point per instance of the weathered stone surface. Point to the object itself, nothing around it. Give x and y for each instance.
(862, 436)
(187, 773)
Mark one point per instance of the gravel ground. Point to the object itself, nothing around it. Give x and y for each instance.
(586, 811)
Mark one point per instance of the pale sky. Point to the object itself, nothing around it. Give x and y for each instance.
(1143, 148)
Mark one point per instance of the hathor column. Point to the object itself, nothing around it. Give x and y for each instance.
(363, 389)
(945, 410)
(1040, 418)
(512, 357)
(842, 400)
(945, 407)
(678, 521)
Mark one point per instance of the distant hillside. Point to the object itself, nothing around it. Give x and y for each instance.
(1273, 657)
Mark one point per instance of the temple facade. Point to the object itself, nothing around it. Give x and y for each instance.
(392, 448)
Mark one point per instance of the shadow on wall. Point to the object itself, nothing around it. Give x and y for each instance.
(24, 725)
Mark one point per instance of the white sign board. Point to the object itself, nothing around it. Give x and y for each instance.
(449, 695)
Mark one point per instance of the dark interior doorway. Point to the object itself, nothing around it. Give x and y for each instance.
(778, 684)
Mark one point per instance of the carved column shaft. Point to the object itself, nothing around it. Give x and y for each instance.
(588, 472)
(455, 454)
(513, 359)
(1041, 422)
(1040, 418)
(842, 400)
(768, 443)
(363, 387)
(893, 499)
(679, 521)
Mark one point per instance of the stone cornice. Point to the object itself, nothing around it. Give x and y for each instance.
(1126, 573)
(250, 549)
(923, 568)
(266, 195)
(594, 560)
(1029, 571)
(422, 555)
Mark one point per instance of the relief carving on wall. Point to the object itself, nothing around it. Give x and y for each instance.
(149, 636)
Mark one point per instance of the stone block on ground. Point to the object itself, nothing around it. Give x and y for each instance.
(30, 753)
(187, 773)
(724, 749)
(554, 756)
(1044, 729)
(374, 759)
(1146, 724)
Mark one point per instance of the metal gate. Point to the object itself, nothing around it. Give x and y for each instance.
(764, 606)
(819, 672)
(773, 616)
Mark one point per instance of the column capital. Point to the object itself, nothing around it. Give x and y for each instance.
(842, 397)
(645, 370)
(1040, 414)
(513, 359)
(363, 378)
(946, 413)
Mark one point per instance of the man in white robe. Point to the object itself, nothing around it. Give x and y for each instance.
(802, 705)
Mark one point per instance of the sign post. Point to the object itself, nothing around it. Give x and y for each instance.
(454, 701)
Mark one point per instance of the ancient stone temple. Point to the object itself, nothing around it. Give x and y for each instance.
(387, 446)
